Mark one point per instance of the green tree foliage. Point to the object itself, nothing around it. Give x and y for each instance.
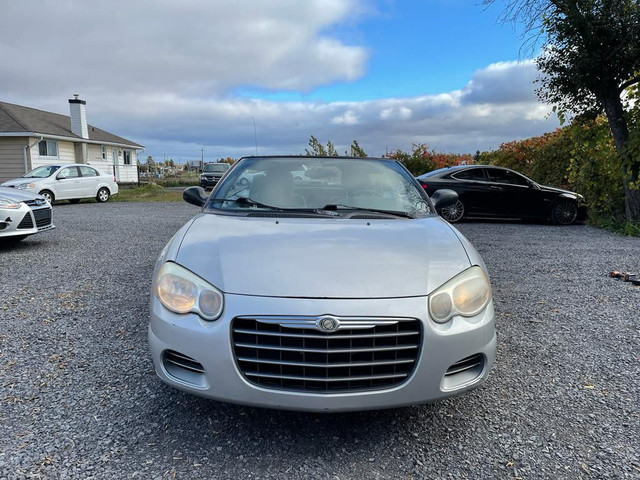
(331, 149)
(591, 56)
(579, 157)
(422, 160)
(355, 150)
(317, 149)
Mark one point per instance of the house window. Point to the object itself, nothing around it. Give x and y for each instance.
(126, 154)
(48, 148)
(104, 152)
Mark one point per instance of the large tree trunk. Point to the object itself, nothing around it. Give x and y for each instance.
(630, 166)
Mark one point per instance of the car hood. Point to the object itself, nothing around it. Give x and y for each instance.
(16, 195)
(322, 258)
(545, 188)
(18, 181)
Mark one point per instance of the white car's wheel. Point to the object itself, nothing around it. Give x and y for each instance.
(48, 196)
(103, 195)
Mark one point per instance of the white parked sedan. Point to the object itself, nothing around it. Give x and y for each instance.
(22, 214)
(348, 294)
(71, 182)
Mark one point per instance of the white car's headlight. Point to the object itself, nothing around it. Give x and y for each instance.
(9, 204)
(182, 291)
(24, 186)
(465, 294)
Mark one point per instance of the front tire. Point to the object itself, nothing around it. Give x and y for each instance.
(48, 195)
(103, 195)
(565, 212)
(454, 213)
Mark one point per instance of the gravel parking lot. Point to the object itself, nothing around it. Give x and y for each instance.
(79, 398)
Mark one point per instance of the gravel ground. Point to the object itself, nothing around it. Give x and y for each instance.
(79, 398)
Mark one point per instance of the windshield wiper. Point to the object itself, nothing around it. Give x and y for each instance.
(247, 202)
(338, 206)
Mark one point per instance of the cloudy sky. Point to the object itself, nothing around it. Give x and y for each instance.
(177, 76)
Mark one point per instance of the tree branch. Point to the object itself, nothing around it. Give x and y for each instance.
(628, 83)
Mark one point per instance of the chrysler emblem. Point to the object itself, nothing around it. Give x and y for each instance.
(327, 324)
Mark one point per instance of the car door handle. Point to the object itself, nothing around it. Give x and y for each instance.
(494, 187)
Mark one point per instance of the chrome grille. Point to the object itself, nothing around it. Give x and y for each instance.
(42, 216)
(290, 353)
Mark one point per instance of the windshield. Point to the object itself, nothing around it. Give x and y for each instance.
(42, 172)
(320, 184)
(216, 167)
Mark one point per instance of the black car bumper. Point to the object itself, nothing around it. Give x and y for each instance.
(209, 181)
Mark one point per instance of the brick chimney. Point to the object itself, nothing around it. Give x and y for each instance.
(78, 116)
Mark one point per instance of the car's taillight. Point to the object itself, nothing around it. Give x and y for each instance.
(424, 185)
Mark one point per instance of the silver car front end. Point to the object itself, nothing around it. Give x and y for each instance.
(411, 359)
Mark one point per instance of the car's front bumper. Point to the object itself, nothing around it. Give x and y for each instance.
(25, 221)
(209, 181)
(210, 344)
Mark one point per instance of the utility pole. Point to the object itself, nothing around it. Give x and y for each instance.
(202, 159)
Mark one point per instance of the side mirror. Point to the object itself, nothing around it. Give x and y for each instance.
(195, 196)
(61, 177)
(444, 198)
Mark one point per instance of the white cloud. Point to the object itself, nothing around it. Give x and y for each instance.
(502, 82)
(396, 113)
(195, 47)
(167, 78)
(448, 121)
(347, 118)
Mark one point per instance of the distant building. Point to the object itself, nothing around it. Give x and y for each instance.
(30, 138)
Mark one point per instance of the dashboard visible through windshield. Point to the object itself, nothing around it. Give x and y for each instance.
(320, 185)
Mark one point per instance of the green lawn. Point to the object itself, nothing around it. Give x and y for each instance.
(147, 193)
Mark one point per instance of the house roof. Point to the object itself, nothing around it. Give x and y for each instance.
(17, 119)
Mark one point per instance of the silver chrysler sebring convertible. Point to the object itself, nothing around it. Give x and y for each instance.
(341, 291)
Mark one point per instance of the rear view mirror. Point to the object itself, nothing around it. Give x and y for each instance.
(195, 196)
(444, 198)
(61, 177)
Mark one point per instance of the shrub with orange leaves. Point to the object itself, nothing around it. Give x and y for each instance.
(422, 160)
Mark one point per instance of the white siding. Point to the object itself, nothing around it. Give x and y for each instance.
(66, 154)
(124, 173)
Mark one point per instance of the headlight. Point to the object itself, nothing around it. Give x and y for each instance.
(24, 186)
(465, 294)
(182, 291)
(9, 204)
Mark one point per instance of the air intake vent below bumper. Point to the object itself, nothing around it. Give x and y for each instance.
(183, 368)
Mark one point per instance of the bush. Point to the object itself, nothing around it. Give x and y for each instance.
(422, 160)
(579, 157)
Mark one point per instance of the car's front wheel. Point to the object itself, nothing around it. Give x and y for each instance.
(103, 195)
(454, 213)
(565, 212)
(48, 196)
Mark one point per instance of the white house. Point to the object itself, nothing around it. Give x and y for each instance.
(30, 138)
